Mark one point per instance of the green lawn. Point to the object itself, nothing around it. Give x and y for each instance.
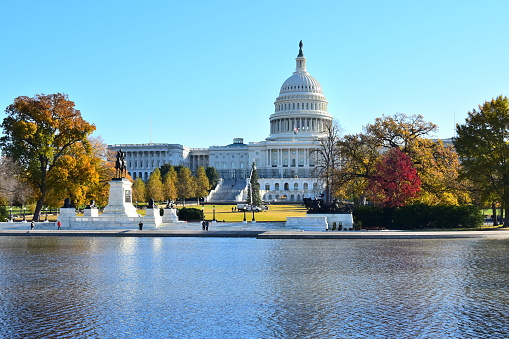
(275, 213)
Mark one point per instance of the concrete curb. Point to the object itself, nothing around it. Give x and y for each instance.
(264, 234)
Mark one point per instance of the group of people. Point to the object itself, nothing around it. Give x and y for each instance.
(204, 225)
(32, 225)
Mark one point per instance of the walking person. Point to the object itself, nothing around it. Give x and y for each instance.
(140, 225)
(32, 225)
(59, 224)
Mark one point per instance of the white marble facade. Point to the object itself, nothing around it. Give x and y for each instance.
(284, 160)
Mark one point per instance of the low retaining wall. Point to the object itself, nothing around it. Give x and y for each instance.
(322, 222)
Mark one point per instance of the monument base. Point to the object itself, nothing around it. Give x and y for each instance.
(120, 200)
(322, 222)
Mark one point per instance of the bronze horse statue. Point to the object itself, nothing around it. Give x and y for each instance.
(120, 165)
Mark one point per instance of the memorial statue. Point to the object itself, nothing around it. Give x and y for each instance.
(92, 205)
(319, 206)
(120, 165)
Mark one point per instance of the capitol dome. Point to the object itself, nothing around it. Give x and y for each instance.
(301, 106)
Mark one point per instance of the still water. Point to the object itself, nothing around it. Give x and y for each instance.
(72, 287)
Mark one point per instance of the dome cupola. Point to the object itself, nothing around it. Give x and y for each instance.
(301, 106)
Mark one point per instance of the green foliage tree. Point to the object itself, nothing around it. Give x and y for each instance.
(202, 183)
(254, 188)
(154, 187)
(213, 176)
(483, 145)
(38, 132)
(186, 184)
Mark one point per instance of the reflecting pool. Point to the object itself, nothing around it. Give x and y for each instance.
(68, 287)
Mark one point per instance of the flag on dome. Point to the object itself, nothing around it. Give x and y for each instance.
(295, 130)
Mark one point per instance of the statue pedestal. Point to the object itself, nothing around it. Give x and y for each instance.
(152, 218)
(170, 216)
(120, 200)
(91, 212)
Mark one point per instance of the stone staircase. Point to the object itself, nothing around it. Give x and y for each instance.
(228, 191)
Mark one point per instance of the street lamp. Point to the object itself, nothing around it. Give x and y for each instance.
(244, 213)
(46, 210)
(214, 213)
(23, 208)
(203, 212)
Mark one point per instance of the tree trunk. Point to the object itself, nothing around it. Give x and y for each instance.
(494, 212)
(38, 209)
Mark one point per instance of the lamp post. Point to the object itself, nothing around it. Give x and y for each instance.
(46, 210)
(244, 214)
(10, 213)
(203, 212)
(24, 218)
(251, 190)
(214, 213)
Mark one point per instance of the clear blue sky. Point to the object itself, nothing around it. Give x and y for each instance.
(200, 73)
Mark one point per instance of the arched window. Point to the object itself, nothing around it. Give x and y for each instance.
(296, 187)
(276, 186)
(292, 197)
(287, 186)
(305, 186)
(298, 197)
(315, 186)
(270, 197)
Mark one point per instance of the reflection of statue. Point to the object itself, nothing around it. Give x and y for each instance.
(120, 165)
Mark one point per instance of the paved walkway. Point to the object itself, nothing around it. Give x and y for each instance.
(266, 234)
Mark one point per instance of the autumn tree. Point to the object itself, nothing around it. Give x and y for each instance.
(202, 183)
(74, 175)
(483, 145)
(359, 154)
(38, 132)
(170, 185)
(139, 192)
(328, 158)
(436, 164)
(13, 189)
(186, 185)
(395, 180)
(154, 187)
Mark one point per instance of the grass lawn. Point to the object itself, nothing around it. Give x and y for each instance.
(275, 213)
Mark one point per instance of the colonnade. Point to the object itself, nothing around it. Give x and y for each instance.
(286, 125)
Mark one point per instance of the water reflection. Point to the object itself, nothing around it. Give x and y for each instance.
(231, 288)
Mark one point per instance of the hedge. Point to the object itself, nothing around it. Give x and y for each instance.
(420, 216)
(190, 214)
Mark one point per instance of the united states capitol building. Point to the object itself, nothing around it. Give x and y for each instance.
(284, 160)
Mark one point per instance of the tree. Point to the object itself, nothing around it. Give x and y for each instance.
(38, 132)
(395, 180)
(213, 176)
(483, 145)
(154, 187)
(436, 164)
(139, 192)
(186, 185)
(359, 153)
(202, 183)
(165, 169)
(170, 185)
(254, 189)
(328, 158)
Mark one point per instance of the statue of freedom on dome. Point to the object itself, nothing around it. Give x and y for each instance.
(300, 49)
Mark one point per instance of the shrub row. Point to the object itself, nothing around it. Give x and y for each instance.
(419, 216)
(190, 214)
